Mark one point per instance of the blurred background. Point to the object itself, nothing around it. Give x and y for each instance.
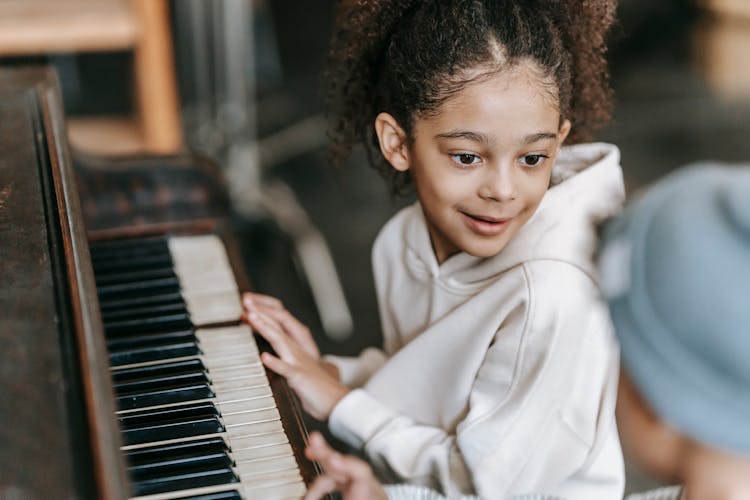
(241, 82)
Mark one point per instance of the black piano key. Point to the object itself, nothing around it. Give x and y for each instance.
(161, 397)
(144, 311)
(198, 479)
(136, 341)
(156, 261)
(147, 287)
(128, 248)
(140, 300)
(224, 495)
(157, 370)
(158, 453)
(160, 383)
(194, 461)
(173, 430)
(133, 276)
(153, 353)
(151, 416)
(167, 322)
(110, 298)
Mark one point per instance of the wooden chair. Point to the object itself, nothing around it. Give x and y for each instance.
(721, 44)
(36, 27)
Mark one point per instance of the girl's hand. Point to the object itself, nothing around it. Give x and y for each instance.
(294, 328)
(317, 388)
(348, 475)
(273, 307)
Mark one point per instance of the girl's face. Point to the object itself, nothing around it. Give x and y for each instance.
(482, 163)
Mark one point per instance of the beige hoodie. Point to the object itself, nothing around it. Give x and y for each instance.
(498, 375)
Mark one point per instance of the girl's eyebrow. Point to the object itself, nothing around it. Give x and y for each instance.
(465, 134)
(485, 139)
(539, 137)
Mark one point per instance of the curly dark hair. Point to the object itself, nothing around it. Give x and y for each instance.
(406, 57)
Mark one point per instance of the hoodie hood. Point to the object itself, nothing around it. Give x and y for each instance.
(586, 188)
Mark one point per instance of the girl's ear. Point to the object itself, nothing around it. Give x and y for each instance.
(392, 139)
(564, 131)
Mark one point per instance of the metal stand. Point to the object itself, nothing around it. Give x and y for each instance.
(216, 42)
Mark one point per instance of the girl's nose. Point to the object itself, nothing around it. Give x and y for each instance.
(499, 184)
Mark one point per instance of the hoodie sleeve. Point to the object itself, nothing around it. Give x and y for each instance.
(550, 428)
(399, 448)
(354, 371)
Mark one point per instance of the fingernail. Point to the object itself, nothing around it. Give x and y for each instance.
(248, 301)
(253, 315)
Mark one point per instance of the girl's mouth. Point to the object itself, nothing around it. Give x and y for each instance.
(485, 225)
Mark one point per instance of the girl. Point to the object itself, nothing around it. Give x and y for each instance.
(498, 370)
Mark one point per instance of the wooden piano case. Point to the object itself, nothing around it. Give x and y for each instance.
(59, 437)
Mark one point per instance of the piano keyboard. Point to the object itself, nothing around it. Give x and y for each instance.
(196, 411)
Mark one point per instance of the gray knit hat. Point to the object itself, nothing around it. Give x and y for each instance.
(675, 269)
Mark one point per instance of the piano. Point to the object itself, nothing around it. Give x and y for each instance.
(124, 369)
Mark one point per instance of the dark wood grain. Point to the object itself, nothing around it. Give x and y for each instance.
(58, 437)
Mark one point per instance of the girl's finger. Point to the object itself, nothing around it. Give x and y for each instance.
(276, 365)
(317, 448)
(350, 467)
(297, 330)
(251, 299)
(321, 486)
(271, 332)
(340, 467)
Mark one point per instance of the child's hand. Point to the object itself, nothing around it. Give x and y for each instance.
(296, 330)
(317, 388)
(349, 476)
(273, 307)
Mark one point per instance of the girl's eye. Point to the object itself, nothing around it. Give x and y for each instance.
(533, 160)
(465, 159)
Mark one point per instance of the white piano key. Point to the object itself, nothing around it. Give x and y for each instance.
(216, 363)
(271, 451)
(206, 309)
(254, 429)
(252, 370)
(281, 477)
(243, 394)
(204, 284)
(227, 349)
(214, 331)
(200, 251)
(236, 400)
(243, 417)
(239, 383)
(219, 340)
(252, 417)
(201, 264)
(223, 339)
(292, 490)
(202, 279)
(258, 440)
(260, 467)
